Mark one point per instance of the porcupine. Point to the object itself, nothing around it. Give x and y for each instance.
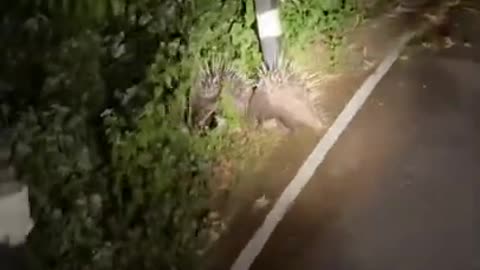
(215, 80)
(204, 95)
(283, 95)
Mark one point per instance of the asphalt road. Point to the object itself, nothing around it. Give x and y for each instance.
(400, 189)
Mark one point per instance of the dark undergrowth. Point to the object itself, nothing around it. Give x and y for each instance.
(97, 95)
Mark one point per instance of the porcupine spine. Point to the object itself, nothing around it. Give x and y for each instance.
(282, 95)
(240, 88)
(214, 80)
(205, 93)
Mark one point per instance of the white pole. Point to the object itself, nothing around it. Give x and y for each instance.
(15, 221)
(269, 31)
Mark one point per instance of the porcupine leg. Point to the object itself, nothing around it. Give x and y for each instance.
(285, 126)
(256, 122)
(285, 130)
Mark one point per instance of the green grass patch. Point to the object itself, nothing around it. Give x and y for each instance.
(318, 27)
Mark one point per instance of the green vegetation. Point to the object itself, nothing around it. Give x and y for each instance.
(311, 22)
(97, 92)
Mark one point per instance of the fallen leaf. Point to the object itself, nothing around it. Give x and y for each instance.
(214, 236)
(470, 9)
(427, 44)
(214, 215)
(261, 202)
(449, 42)
(453, 3)
(368, 64)
(432, 18)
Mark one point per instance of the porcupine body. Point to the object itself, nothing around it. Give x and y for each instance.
(239, 88)
(214, 82)
(283, 95)
(204, 96)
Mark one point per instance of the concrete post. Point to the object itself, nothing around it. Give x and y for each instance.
(15, 221)
(269, 31)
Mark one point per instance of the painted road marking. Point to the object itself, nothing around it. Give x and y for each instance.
(306, 171)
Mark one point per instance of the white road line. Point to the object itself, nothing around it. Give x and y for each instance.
(306, 171)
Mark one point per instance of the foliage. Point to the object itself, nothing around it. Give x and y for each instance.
(303, 20)
(226, 29)
(117, 180)
(229, 112)
(97, 92)
(54, 154)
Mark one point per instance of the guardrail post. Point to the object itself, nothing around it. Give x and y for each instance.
(269, 31)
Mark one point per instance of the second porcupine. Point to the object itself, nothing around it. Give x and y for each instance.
(216, 81)
(283, 95)
(204, 96)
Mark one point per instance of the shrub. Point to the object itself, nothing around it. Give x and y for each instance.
(304, 20)
(117, 180)
(98, 98)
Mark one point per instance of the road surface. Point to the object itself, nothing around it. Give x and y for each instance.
(400, 189)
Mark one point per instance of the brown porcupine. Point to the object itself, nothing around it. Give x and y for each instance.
(283, 95)
(215, 80)
(204, 95)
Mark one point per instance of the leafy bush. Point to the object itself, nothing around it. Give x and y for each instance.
(117, 180)
(304, 20)
(226, 29)
(55, 155)
(98, 96)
